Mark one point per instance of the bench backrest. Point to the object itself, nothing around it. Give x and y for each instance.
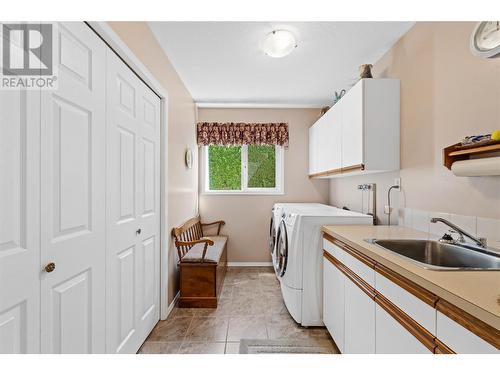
(191, 230)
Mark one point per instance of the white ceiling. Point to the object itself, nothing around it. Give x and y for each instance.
(221, 62)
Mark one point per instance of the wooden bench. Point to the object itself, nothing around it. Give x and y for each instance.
(202, 263)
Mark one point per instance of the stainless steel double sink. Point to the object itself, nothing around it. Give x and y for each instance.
(437, 255)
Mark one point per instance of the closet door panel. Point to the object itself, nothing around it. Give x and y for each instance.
(19, 222)
(149, 203)
(133, 214)
(73, 197)
(122, 222)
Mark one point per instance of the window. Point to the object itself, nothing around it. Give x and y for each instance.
(252, 169)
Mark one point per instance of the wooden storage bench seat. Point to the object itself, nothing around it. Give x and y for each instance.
(202, 263)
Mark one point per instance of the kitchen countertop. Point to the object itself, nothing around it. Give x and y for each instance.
(476, 292)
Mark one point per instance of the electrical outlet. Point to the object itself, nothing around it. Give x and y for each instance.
(397, 181)
(387, 210)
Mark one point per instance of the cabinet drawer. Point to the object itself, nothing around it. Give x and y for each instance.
(393, 338)
(333, 250)
(345, 256)
(359, 268)
(422, 313)
(460, 339)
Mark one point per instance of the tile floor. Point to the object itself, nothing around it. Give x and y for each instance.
(250, 307)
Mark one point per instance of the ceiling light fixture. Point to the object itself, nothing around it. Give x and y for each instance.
(279, 43)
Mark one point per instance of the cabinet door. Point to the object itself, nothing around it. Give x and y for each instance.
(313, 149)
(459, 339)
(393, 338)
(352, 126)
(333, 302)
(331, 138)
(359, 321)
(320, 153)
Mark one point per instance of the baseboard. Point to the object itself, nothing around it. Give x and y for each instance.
(172, 304)
(249, 264)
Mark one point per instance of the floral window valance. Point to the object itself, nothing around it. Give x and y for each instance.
(229, 133)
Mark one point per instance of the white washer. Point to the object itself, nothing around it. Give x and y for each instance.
(298, 257)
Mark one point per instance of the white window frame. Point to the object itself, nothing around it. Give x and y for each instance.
(245, 190)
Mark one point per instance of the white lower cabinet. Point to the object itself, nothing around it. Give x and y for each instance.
(393, 338)
(359, 321)
(384, 324)
(333, 302)
(423, 313)
(460, 339)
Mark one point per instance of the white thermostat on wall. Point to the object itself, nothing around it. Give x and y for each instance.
(485, 39)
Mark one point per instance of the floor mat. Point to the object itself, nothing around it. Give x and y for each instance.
(287, 347)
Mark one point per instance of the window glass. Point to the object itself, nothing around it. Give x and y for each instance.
(261, 166)
(224, 167)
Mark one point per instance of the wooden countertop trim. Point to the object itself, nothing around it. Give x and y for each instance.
(358, 281)
(348, 249)
(473, 324)
(359, 256)
(441, 348)
(423, 294)
(419, 332)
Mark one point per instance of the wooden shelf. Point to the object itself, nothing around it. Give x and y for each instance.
(458, 152)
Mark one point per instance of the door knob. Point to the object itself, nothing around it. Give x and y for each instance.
(49, 267)
(138, 231)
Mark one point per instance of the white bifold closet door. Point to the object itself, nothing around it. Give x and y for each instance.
(73, 152)
(133, 217)
(19, 222)
(80, 188)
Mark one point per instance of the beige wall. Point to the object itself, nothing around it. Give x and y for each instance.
(247, 217)
(182, 182)
(446, 94)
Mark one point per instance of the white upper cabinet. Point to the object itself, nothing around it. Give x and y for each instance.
(325, 139)
(331, 138)
(352, 128)
(359, 134)
(313, 149)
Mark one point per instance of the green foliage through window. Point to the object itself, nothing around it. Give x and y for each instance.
(261, 166)
(226, 165)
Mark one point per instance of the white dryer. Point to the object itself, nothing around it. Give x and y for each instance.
(277, 215)
(298, 257)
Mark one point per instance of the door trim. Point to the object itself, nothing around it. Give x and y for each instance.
(106, 33)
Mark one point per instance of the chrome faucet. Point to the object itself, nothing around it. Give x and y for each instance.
(481, 242)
